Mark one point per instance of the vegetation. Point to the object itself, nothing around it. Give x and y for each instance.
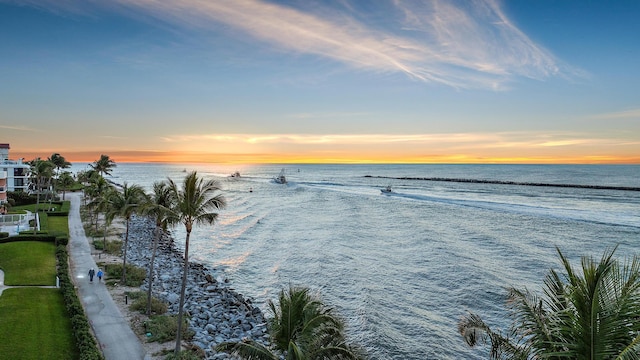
(41, 174)
(45, 323)
(35, 325)
(124, 204)
(28, 263)
(195, 203)
(158, 307)
(593, 315)
(114, 273)
(85, 342)
(65, 182)
(158, 207)
(301, 327)
(104, 165)
(163, 328)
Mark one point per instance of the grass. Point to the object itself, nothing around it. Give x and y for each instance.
(35, 325)
(28, 263)
(58, 224)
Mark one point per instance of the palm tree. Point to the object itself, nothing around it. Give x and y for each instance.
(104, 165)
(99, 192)
(65, 181)
(158, 207)
(59, 162)
(594, 315)
(41, 173)
(302, 327)
(124, 204)
(195, 203)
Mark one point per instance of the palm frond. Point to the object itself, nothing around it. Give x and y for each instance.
(248, 350)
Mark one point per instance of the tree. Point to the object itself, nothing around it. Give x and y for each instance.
(124, 204)
(59, 162)
(195, 203)
(594, 315)
(301, 327)
(158, 207)
(99, 192)
(41, 173)
(104, 165)
(65, 181)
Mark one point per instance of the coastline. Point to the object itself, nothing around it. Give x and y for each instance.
(216, 312)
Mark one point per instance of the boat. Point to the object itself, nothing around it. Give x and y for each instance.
(386, 190)
(280, 179)
(235, 175)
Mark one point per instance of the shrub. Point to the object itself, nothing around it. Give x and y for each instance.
(114, 247)
(98, 244)
(158, 307)
(135, 275)
(20, 198)
(62, 240)
(191, 353)
(163, 328)
(28, 236)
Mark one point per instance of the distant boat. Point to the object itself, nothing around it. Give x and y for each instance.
(280, 179)
(386, 190)
(235, 175)
(184, 170)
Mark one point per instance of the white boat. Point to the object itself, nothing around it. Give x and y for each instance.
(386, 190)
(280, 179)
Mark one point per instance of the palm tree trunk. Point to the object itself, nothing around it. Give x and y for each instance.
(104, 237)
(156, 238)
(182, 292)
(124, 255)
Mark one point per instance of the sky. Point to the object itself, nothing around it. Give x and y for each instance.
(336, 81)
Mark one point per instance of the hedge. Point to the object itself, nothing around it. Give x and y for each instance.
(87, 344)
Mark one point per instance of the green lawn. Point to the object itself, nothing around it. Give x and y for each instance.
(28, 263)
(35, 325)
(58, 224)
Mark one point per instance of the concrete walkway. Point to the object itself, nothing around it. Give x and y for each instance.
(112, 330)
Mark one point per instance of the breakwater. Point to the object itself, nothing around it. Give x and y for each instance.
(216, 312)
(501, 182)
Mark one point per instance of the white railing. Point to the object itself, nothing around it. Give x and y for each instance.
(12, 219)
(14, 223)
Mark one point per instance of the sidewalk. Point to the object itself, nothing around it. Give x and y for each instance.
(112, 330)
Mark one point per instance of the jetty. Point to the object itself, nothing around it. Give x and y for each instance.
(501, 182)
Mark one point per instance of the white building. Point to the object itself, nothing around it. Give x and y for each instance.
(14, 172)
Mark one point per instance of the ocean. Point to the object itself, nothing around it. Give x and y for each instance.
(403, 268)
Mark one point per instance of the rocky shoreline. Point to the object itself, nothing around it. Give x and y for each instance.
(217, 313)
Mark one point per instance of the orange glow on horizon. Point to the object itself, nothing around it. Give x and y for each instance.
(191, 157)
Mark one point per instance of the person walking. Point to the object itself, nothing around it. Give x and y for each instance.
(91, 273)
(100, 273)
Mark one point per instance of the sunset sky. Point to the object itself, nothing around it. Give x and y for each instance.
(545, 81)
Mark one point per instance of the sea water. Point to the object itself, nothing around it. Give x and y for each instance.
(403, 268)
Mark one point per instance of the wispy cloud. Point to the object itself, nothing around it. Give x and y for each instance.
(480, 140)
(18, 128)
(471, 45)
(466, 44)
